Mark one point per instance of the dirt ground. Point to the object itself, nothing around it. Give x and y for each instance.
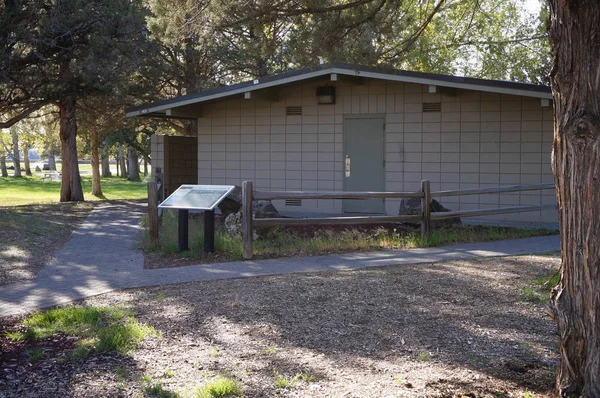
(30, 235)
(462, 328)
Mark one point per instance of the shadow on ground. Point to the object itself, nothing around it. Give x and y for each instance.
(432, 330)
(449, 327)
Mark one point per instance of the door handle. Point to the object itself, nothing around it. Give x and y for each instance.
(347, 166)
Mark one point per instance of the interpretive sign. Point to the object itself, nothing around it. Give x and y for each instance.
(197, 197)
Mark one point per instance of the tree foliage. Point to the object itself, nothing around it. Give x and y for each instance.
(69, 54)
(58, 52)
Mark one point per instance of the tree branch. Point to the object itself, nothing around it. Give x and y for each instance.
(277, 11)
(22, 115)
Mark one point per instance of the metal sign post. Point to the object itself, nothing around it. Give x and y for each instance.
(183, 230)
(209, 231)
(197, 197)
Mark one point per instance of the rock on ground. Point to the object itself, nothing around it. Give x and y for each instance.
(261, 209)
(412, 206)
(232, 203)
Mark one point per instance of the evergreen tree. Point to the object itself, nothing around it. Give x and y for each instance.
(59, 52)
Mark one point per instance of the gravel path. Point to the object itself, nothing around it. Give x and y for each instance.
(102, 256)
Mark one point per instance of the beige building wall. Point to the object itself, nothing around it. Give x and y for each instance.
(477, 140)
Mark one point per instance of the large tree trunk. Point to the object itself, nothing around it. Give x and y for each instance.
(51, 157)
(121, 160)
(16, 159)
(70, 189)
(96, 188)
(51, 161)
(105, 161)
(575, 302)
(26, 159)
(132, 167)
(3, 169)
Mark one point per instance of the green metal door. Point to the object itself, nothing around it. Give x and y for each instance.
(364, 162)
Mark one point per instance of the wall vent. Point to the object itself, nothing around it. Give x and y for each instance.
(293, 202)
(432, 107)
(293, 111)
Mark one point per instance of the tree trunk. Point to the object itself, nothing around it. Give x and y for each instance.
(117, 162)
(575, 302)
(3, 169)
(51, 157)
(145, 167)
(16, 159)
(132, 167)
(105, 161)
(96, 187)
(52, 161)
(26, 159)
(70, 189)
(122, 162)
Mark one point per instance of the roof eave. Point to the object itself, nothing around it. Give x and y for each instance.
(153, 109)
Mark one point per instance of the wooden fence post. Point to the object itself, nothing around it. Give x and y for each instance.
(247, 219)
(153, 213)
(426, 207)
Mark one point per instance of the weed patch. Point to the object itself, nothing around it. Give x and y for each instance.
(35, 354)
(288, 242)
(283, 382)
(538, 290)
(155, 389)
(221, 387)
(158, 391)
(225, 244)
(101, 329)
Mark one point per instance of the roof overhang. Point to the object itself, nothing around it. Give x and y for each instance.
(188, 106)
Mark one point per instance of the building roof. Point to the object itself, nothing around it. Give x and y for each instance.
(160, 108)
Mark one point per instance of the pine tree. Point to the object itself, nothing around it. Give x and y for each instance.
(59, 52)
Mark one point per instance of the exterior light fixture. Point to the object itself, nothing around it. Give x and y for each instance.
(326, 95)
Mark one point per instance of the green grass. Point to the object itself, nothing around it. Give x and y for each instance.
(283, 382)
(538, 290)
(289, 243)
(32, 190)
(158, 391)
(35, 354)
(15, 336)
(225, 244)
(155, 389)
(100, 329)
(270, 350)
(121, 373)
(220, 387)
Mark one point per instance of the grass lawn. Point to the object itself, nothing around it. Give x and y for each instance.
(449, 329)
(32, 190)
(83, 167)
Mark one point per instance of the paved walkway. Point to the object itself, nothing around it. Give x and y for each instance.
(102, 256)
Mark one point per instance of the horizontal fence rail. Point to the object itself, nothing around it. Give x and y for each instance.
(269, 222)
(278, 195)
(489, 212)
(425, 218)
(500, 189)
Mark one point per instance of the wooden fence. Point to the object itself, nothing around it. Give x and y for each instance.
(425, 218)
(153, 193)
